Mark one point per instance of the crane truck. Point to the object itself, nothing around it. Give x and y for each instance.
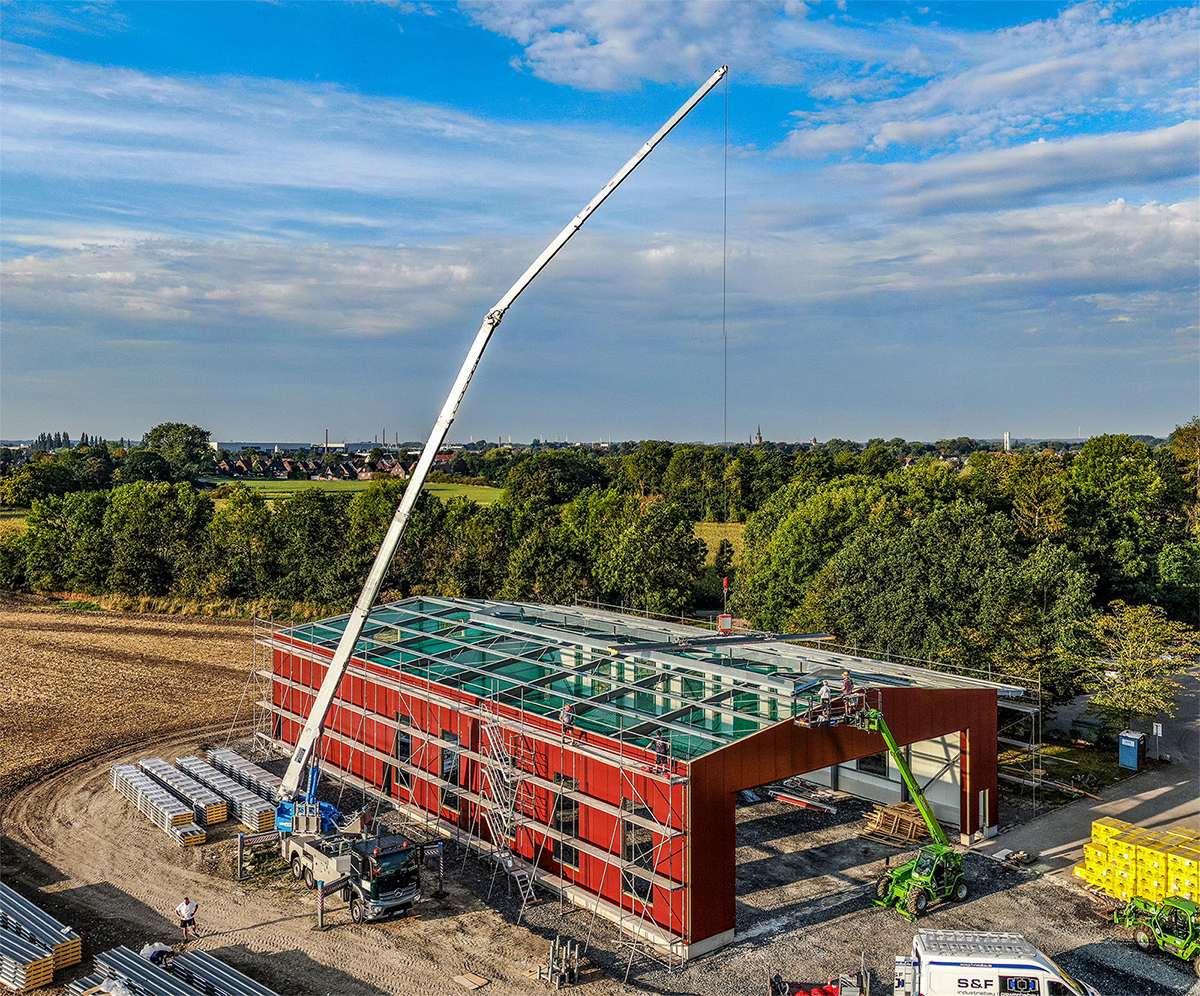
(936, 872)
(305, 826)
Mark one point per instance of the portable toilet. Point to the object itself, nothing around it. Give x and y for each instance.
(1132, 752)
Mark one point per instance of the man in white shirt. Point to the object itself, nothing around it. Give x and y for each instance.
(186, 911)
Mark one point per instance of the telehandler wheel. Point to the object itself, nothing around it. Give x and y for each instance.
(1196, 964)
(297, 868)
(1144, 939)
(918, 901)
(356, 910)
(310, 881)
(961, 891)
(883, 887)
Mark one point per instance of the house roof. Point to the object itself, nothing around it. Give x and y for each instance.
(626, 677)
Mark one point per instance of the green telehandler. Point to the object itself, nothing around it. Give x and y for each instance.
(1172, 926)
(936, 873)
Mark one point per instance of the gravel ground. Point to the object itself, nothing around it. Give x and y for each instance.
(82, 691)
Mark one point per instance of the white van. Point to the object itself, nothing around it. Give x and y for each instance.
(967, 963)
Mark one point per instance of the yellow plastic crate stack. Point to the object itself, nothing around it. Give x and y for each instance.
(1124, 861)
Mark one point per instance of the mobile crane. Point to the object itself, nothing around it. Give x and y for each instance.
(296, 807)
(936, 872)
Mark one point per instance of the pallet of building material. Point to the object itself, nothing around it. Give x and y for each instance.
(23, 964)
(140, 974)
(256, 779)
(88, 984)
(900, 825)
(214, 978)
(160, 806)
(248, 808)
(207, 807)
(25, 919)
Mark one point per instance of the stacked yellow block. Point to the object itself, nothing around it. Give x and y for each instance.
(1126, 861)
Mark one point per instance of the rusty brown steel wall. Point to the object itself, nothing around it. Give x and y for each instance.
(912, 714)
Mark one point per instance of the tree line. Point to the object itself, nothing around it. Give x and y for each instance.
(1017, 563)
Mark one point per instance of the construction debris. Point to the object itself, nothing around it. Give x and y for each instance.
(21, 917)
(207, 807)
(563, 967)
(164, 810)
(248, 808)
(471, 981)
(258, 780)
(900, 825)
(806, 796)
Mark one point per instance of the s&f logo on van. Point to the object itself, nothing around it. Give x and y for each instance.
(977, 985)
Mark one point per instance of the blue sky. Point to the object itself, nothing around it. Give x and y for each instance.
(270, 219)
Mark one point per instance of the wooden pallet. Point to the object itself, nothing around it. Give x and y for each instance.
(900, 825)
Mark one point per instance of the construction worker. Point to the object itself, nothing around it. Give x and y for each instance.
(186, 911)
(823, 698)
(566, 716)
(662, 751)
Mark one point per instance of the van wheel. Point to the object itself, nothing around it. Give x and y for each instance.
(883, 887)
(297, 868)
(1144, 939)
(356, 910)
(918, 901)
(310, 880)
(961, 891)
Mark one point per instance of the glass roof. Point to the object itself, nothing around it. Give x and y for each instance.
(625, 677)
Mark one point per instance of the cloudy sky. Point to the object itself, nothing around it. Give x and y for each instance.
(277, 219)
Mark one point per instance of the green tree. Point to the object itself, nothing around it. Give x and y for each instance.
(184, 447)
(157, 532)
(36, 481)
(1138, 653)
(144, 465)
(240, 546)
(308, 535)
(1119, 471)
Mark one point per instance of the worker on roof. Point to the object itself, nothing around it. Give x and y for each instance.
(662, 751)
(823, 698)
(566, 716)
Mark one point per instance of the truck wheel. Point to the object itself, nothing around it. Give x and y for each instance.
(883, 887)
(297, 868)
(310, 881)
(918, 901)
(1144, 939)
(356, 910)
(961, 891)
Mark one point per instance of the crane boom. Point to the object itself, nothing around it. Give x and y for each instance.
(876, 722)
(358, 616)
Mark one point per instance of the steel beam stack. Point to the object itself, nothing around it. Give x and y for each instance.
(21, 917)
(23, 964)
(248, 808)
(207, 807)
(164, 810)
(214, 978)
(256, 779)
(140, 974)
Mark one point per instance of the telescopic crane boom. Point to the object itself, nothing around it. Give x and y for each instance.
(302, 754)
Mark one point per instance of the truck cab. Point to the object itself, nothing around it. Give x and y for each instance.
(969, 963)
(385, 877)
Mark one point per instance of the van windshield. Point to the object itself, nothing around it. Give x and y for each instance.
(1075, 986)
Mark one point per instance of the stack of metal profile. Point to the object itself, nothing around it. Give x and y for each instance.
(21, 917)
(23, 964)
(214, 978)
(140, 974)
(88, 984)
(256, 779)
(207, 807)
(248, 808)
(164, 810)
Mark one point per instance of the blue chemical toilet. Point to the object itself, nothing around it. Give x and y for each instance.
(1133, 750)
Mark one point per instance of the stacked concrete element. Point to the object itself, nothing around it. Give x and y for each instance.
(207, 807)
(190, 974)
(246, 773)
(1124, 861)
(248, 808)
(164, 810)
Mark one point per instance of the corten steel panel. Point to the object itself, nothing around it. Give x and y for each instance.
(912, 714)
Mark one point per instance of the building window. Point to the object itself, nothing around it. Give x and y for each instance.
(637, 850)
(403, 750)
(566, 822)
(874, 764)
(450, 772)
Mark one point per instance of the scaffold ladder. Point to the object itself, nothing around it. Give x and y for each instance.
(503, 782)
